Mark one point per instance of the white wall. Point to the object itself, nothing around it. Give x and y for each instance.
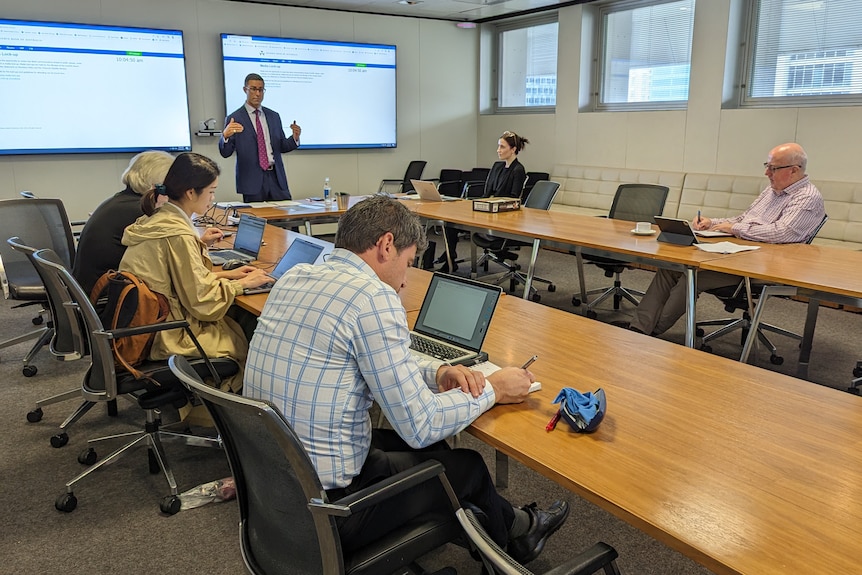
(703, 138)
(437, 118)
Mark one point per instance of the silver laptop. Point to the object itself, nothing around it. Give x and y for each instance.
(428, 191)
(454, 320)
(300, 252)
(246, 245)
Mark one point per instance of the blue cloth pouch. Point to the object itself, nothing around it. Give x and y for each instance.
(583, 411)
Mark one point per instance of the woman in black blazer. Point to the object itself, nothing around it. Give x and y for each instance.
(506, 179)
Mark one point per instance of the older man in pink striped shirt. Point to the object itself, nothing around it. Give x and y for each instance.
(788, 211)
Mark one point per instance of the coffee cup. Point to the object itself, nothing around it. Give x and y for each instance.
(643, 227)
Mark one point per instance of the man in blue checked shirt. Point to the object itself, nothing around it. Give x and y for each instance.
(333, 338)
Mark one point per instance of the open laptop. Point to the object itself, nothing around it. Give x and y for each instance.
(428, 191)
(246, 245)
(675, 231)
(453, 320)
(300, 252)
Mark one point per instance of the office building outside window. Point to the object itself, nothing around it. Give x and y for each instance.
(644, 55)
(804, 52)
(527, 66)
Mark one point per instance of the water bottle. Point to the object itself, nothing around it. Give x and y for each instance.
(327, 192)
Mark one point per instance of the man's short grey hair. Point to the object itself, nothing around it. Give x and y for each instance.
(363, 224)
(146, 170)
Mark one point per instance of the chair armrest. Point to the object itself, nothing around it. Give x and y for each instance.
(473, 189)
(152, 328)
(587, 562)
(380, 491)
(157, 327)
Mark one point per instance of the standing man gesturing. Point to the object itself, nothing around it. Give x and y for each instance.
(256, 135)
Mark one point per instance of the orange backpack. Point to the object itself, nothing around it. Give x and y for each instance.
(125, 301)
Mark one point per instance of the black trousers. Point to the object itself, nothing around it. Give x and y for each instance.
(465, 469)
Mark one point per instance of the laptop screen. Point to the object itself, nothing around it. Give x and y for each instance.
(457, 310)
(249, 234)
(299, 252)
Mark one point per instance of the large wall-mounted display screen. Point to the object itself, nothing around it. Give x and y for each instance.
(342, 94)
(79, 88)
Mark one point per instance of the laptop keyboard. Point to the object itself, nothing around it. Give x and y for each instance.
(433, 348)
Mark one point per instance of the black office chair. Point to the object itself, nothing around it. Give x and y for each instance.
(414, 172)
(158, 388)
(634, 203)
(42, 223)
(451, 183)
(532, 178)
(474, 183)
(496, 561)
(287, 522)
(68, 343)
(737, 297)
(502, 251)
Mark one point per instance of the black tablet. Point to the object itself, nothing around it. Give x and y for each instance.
(675, 231)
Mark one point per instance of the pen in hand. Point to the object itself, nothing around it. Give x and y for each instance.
(529, 362)
(698, 216)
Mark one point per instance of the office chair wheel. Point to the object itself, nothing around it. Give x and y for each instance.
(154, 463)
(854, 390)
(29, 370)
(591, 314)
(617, 301)
(776, 359)
(706, 348)
(699, 332)
(552, 288)
(88, 456)
(170, 504)
(66, 503)
(536, 298)
(576, 301)
(857, 371)
(60, 439)
(34, 415)
(38, 320)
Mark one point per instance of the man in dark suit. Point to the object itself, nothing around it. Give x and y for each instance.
(256, 135)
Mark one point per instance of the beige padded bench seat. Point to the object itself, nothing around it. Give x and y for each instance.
(590, 190)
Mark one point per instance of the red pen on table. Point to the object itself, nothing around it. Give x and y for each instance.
(553, 423)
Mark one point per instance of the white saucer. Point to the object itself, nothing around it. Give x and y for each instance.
(637, 233)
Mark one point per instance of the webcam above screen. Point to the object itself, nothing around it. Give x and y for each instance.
(342, 94)
(82, 88)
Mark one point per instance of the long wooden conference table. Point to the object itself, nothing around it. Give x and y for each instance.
(597, 236)
(743, 470)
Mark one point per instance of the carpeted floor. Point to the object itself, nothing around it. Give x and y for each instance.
(118, 528)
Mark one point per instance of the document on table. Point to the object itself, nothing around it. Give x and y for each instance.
(487, 368)
(274, 204)
(725, 248)
(711, 233)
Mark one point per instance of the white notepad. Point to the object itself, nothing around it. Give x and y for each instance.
(725, 248)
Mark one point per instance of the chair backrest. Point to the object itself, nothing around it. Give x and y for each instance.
(817, 229)
(542, 195)
(275, 480)
(638, 202)
(38, 222)
(532, 178)
(100, 383)
(450, 182)
(69, 341)
(414, 172)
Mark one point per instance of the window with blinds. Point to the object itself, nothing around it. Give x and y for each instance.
(527, 66)
(804, 52)
(644, 55)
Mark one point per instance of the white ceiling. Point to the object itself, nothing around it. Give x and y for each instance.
(458, 10)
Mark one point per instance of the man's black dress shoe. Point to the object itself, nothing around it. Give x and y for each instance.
(543, 523)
